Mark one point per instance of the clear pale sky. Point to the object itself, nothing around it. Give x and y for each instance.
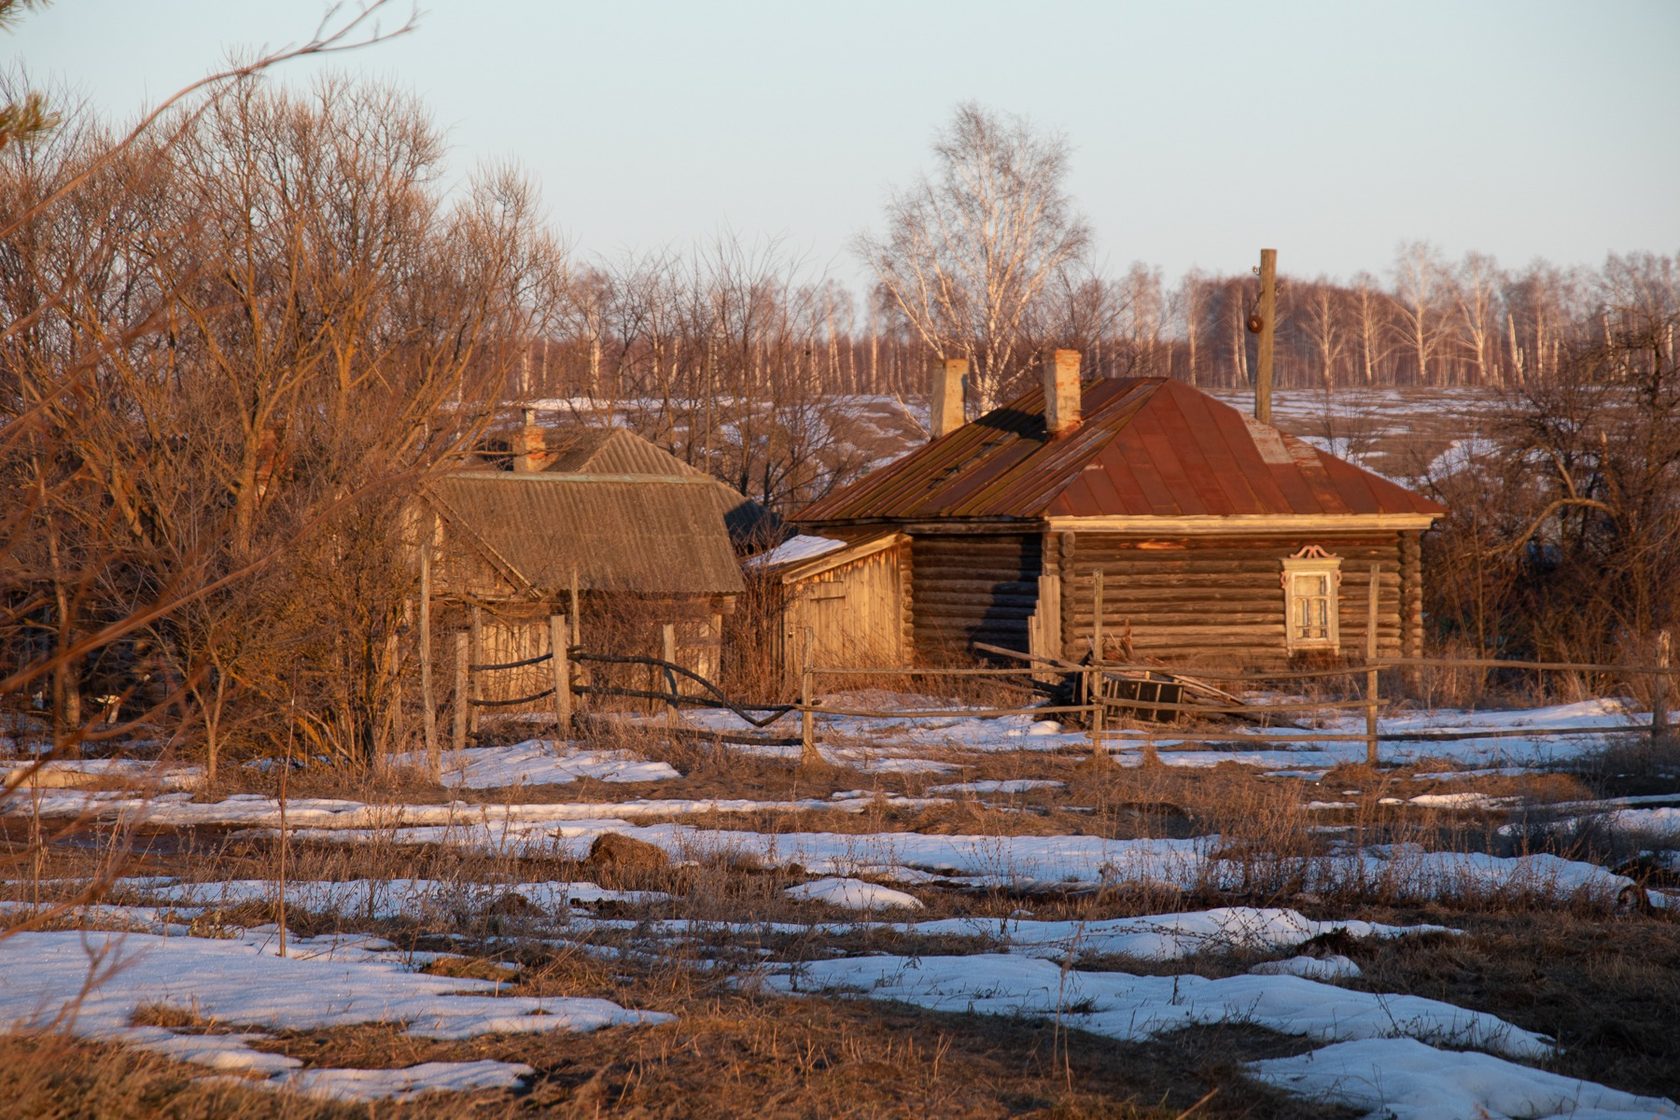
(1202, 130)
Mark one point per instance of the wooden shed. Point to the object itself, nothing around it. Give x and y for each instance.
(576, 449)
(1218, 538)
(840, 604)
(508, 548)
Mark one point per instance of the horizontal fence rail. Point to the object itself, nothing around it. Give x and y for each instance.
(1098, 691)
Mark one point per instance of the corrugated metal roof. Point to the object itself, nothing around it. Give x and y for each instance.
(640, 534)
(1145, 447)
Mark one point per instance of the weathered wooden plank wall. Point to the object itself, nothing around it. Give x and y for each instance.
(855, 613)
(973, 588)
(1189, 598)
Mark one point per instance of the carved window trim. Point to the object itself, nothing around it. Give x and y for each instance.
(1312, 582)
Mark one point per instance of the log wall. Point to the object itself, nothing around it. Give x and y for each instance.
(968, 588)
(1189, 599)
(1411, 594)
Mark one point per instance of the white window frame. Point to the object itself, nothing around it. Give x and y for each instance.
(1312, 562)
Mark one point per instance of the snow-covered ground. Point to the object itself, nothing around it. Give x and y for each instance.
(1393, 1054)
(1383, 1054)
(538, 762)
(1405, 1079)
(1445, 735)
(93, 984)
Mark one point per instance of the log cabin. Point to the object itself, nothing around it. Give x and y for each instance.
(1141, 509)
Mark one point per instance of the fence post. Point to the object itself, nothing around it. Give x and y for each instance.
(462, 700)
(476, 633)
(1371, 660)
(1659, 688)
(560, 662)
(1097, 615)
(1094, 697)
(668, 645)
(808, 755)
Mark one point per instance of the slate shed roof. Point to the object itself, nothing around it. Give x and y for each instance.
(661, 536)
(612, 451)
(1145, 447)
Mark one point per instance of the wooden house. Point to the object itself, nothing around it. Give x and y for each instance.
(510, 548)
(1217, 537)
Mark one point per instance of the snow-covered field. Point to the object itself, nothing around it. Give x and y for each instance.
(952, 864)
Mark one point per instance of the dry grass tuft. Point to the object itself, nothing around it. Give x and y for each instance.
(52, 1077)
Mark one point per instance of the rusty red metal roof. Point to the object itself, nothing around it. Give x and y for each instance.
(1145, 447)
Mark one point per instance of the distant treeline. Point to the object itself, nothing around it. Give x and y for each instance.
(666, 326)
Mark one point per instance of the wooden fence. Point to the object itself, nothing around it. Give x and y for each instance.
(1105, 695)
(1102, 697)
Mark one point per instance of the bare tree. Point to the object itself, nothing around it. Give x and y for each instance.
(1477, 296)
(1189, 304)
(969, 252)
(1324, 324)
(1422, 291)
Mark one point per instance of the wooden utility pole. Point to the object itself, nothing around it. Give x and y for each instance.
(1268, 332)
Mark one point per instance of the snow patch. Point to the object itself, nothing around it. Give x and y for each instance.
(91, 983)
(539, 762)
(853, 894)
(1405, 1079)
(1335, 967)
(1135, 1008)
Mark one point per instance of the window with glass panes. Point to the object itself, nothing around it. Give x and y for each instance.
(1310, 580)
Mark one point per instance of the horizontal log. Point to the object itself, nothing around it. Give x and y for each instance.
(1292, 542)
(976, 586)
(1192, 592)
(1115, 622)
(1212, 612)
(1086, 552)
(996, 551)
(1177, 567)
(1014, 639)
(973, 620)
(1024, 604)
(973, 604)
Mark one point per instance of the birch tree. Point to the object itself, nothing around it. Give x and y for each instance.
(1477, 294)
(1421, 289)
(970, 250)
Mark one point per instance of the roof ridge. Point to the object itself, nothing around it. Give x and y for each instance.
(586, 476)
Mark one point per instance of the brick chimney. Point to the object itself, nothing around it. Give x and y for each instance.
(530, 446)
(1061, 392)
(945, 412)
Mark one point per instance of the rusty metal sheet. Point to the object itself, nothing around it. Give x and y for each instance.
(1144, 447)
